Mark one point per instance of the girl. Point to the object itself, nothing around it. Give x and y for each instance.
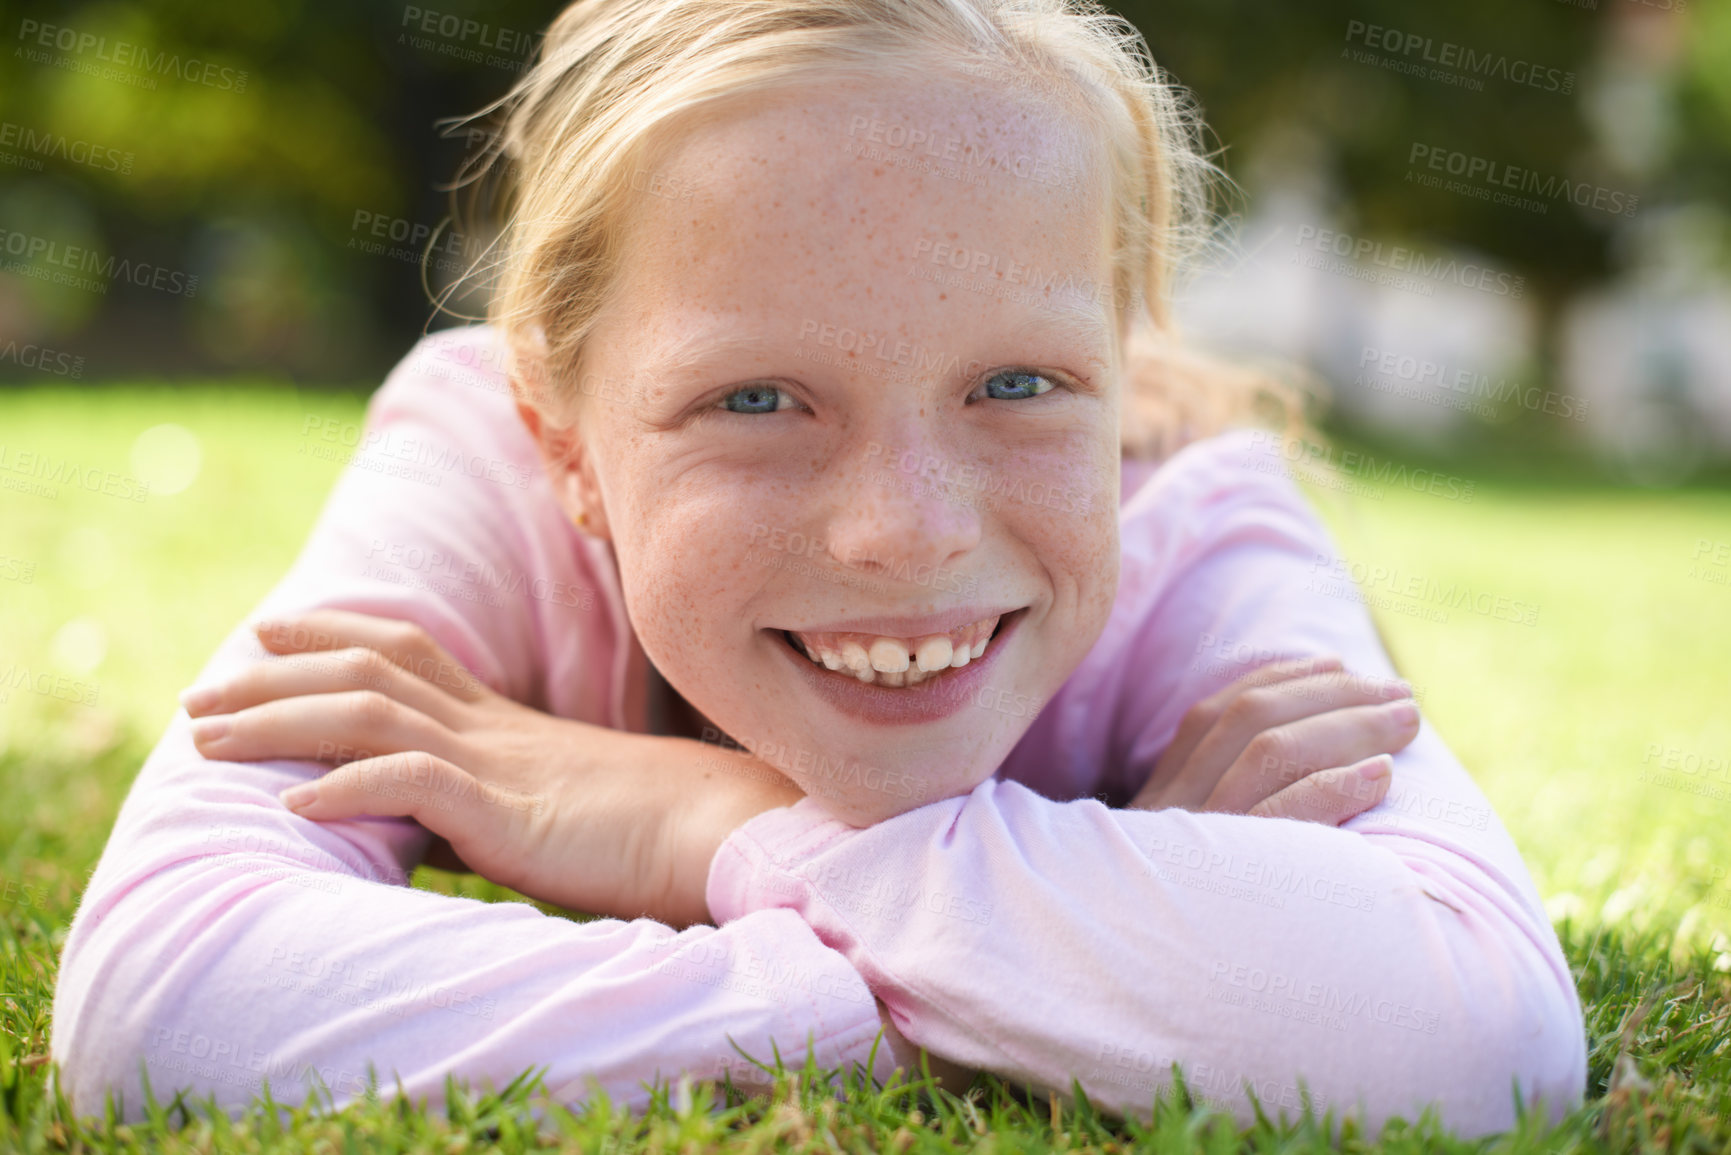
(771, 568)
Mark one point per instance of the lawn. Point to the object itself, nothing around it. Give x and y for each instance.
(1583, 682)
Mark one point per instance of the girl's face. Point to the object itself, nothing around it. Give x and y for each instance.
(852, 414)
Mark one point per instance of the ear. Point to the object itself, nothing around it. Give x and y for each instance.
(570, 467)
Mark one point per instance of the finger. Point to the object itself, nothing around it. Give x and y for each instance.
(1201, 717)
(479, 821)
(1331, 796)
(1282, 755)
(403, 643)
(341, 727)
(413, 784)
(329, 672)
(1256, 709)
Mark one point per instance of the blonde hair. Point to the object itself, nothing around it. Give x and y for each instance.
(579, 128)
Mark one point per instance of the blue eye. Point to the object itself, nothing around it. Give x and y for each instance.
(756, 399)
(1018, 384)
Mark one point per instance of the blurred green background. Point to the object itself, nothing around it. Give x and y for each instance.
(256, 147)
(235, 162)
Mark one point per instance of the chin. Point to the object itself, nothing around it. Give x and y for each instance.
(869, 811)
(863, 795)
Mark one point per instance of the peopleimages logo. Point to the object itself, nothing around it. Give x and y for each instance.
(47, 259)
(40, 143)
(1461, 388)
(980, 271)
(465, 39)
(1282, 989)
(42, 359)
(967, 482)
(1319, 460)
(1340, 577)
(138, 58)
(1456, 62)
(946, 155)
(1399, 259)
(1484, 179)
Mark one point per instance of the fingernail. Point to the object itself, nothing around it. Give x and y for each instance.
(1399, 688)
(295, 797)
(1376, 769)
(211, 729)
(1404, 711)
(198, 699)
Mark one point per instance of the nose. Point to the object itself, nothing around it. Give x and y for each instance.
(905, 511)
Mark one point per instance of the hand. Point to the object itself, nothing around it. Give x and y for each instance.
(1299, 739)
(580, 816)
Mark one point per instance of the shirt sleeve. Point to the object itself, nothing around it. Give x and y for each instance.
(224, 941)
(1400, 960)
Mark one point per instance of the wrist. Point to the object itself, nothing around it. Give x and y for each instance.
(720, 790)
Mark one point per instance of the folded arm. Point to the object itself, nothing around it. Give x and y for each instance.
(1399, 960)
(224, 941)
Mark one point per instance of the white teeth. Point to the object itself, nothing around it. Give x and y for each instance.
(888, 661)
(889, 657)
(934, 654)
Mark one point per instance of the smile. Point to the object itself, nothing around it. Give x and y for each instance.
(894, 661)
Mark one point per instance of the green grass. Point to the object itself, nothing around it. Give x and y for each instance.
(1558, 720)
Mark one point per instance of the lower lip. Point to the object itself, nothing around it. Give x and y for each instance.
(931, 700)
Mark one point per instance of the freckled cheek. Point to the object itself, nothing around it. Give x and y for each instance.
(689, 578)
(1069, 513)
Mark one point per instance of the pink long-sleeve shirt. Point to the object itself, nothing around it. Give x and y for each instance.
(1025, 928)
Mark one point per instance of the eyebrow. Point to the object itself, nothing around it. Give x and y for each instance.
(694, 349)
(1077, 321)
(1070, 320)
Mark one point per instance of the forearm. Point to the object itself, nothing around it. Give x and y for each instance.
(1045, 941)
(223, 941)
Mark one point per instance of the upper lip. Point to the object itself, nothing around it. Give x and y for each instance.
(938, 623)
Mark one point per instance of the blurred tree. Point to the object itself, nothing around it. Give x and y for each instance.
(317, 126)
(285, 178)
(1259, 66)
